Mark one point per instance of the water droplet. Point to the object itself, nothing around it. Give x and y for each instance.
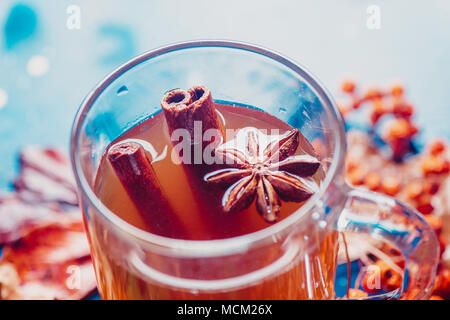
(21, 25)
(282, 110)
(38, 66)
(316, 215)
(3, 98)
(122, 90)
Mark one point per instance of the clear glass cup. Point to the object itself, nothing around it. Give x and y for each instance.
(293, 259)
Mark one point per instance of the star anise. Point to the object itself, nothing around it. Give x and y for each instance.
(264, 167)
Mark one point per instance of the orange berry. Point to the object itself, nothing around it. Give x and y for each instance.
(414, 190)
(372, 181)
(431, 187)
(348, 86)
(434, 164)
(371, 282)
(356, 176)
(400, 128)
(378, 110)
(403, 110)
(378, 104)
(399, 147)
(393, 281)
(373, 93)
(442, 284)
(356, 103)
(390, 279)
(357, 294)
(381, 276)
(437, 147)
(425, 208)
(383, 266)
(390, 185)
(424, 205)
(351, 165)
(446, 166)
(443, 239)
(374, 117)
(435, 222)
(397, 90)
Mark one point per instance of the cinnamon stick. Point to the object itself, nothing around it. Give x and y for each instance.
(185, 109)
(182, 108)
(134, 170)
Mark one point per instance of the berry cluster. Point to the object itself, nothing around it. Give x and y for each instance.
(420, 180)
(400, 130)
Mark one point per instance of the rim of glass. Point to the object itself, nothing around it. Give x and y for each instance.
(219, 246)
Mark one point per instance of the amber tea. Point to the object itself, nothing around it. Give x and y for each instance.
(247, 171)
(258, 173)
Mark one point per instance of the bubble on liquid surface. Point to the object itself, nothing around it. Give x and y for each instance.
(122, 90)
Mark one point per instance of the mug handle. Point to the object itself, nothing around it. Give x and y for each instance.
(387, 219)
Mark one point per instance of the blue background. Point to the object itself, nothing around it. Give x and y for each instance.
(329, 37)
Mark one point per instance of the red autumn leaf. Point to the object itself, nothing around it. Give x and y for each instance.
(73, 281)
(16, 216)
(35, 187)
(9, 282)
(46, 176)
(52, 260)
(50, 162)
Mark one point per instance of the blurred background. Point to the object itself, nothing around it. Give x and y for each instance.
(52, 52)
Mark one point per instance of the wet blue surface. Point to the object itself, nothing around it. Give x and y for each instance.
(331, 39)
(20, 25)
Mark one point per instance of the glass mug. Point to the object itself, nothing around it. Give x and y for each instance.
(295, 258)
